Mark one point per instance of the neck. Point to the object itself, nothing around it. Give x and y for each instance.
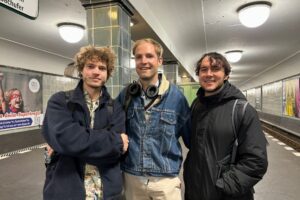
(94, 93)
(216, 91)
(146, 83)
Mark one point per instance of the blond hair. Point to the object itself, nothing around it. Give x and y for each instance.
(158, 48)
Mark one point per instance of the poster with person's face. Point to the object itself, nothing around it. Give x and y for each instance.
(20, 98)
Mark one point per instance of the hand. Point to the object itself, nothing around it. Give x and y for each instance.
(125, 142)
(49, 150)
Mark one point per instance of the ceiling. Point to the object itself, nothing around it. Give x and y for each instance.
(187, 28)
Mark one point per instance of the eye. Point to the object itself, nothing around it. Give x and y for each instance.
(149, 55)
(90, 66)
(215, 68)
(203, 69)
(102, 68)
(136, 57)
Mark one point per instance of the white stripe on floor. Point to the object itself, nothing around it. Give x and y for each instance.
(289, 148)
(25, 151)
(3, 157)
(296, 154)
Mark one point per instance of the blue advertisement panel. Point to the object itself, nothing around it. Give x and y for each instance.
(20, 98)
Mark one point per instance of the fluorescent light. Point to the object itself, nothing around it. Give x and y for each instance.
(254, 14)
(234, 56)
(71, 32)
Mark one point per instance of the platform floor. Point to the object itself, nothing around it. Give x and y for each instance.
(22, 175)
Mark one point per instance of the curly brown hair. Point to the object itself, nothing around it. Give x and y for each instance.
(104, 54)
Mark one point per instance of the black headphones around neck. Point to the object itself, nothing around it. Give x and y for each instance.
(135, 89)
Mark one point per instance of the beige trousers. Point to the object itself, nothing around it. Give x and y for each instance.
(152, 188)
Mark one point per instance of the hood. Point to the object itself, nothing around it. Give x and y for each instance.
(229, 92)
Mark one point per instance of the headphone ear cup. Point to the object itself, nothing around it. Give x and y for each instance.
(134, 89)
(151, 91)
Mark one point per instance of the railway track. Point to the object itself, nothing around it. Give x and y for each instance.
(291, 140)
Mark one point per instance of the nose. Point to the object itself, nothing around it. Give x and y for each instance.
(96, 70)
(144, 59)
(209, 72)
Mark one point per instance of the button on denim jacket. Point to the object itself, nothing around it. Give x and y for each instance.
(154, 149)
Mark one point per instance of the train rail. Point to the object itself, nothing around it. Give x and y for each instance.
(291, 140)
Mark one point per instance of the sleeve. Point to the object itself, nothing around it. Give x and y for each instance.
(121, 97)
(185, 115)
(71, 137)
(251, 161)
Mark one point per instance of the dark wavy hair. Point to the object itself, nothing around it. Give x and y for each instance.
(214, 56)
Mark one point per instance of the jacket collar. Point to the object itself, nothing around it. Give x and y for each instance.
(164, 85)
(78, 94)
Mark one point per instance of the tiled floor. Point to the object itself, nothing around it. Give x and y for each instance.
(22, 174)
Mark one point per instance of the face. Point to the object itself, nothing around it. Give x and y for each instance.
(16, 99)
(211, 76)
(94, 74)
(147, 62)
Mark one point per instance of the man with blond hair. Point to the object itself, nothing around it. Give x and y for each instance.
(157, 115)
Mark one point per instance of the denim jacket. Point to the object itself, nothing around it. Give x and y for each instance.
(154, 149)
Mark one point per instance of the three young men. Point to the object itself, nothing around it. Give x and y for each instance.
(157, 114)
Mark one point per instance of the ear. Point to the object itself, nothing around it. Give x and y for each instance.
(160, 60)
(226, 78)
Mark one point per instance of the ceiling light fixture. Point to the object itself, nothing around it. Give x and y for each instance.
(254, 14)
(133, 22)
(234, 56)
(71, 32)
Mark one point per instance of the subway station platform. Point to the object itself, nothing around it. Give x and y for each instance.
(22, 174)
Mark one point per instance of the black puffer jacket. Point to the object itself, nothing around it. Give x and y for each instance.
(207, 172)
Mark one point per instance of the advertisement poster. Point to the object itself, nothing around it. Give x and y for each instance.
(298, 98)
(20, 98)
(291, 97)
(272, 100)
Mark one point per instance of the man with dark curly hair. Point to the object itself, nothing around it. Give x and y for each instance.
(227, 155)
(85, 130)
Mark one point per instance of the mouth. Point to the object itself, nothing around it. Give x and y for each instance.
(209, 81)
(95, 79)
(144, 68)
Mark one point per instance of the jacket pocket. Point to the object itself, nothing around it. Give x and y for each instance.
(168, 118)
(168, 123)
(223, 166)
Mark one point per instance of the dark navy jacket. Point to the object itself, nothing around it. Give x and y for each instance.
(66, 129)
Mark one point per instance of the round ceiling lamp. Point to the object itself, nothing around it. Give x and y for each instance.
(254, 14)
(234, 56)
(71, 32)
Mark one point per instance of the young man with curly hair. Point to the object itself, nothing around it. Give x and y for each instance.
(86, 138)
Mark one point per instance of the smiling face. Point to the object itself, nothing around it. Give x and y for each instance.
(16, 100)
(211, 75)
(94, 74)
(147, 62)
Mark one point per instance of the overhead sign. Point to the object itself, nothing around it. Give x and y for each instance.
(28, 8)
